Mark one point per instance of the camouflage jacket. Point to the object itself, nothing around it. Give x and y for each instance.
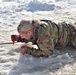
(48, 36)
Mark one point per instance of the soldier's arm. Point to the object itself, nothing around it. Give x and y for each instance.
(45, 43)
(45, 48)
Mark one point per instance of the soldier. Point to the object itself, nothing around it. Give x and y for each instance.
(46, 34)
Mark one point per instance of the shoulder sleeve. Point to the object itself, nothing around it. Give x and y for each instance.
(45, 42)
(45, 39)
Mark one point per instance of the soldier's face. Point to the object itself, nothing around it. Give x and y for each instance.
(26, 35)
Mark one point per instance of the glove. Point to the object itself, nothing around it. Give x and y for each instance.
(23, 49)
(14, 38)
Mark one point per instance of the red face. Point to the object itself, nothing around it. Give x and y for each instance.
(27, 35)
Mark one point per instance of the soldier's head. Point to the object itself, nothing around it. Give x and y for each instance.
(25, 29)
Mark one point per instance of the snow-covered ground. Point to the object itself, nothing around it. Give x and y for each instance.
(11, 60)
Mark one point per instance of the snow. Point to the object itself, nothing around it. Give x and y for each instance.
(11, 60)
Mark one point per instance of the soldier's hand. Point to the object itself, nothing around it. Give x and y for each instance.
(14, 38)
(23, 49)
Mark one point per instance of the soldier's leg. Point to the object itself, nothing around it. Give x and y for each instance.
(73, 35)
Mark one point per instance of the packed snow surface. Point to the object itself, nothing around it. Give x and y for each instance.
(11, 60)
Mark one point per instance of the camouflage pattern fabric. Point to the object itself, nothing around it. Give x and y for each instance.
(72, 36)
(51, 35)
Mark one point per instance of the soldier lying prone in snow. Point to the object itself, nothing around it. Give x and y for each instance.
(46, 34)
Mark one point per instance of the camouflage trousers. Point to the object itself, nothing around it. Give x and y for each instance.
(72, 36)
(67, 35)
